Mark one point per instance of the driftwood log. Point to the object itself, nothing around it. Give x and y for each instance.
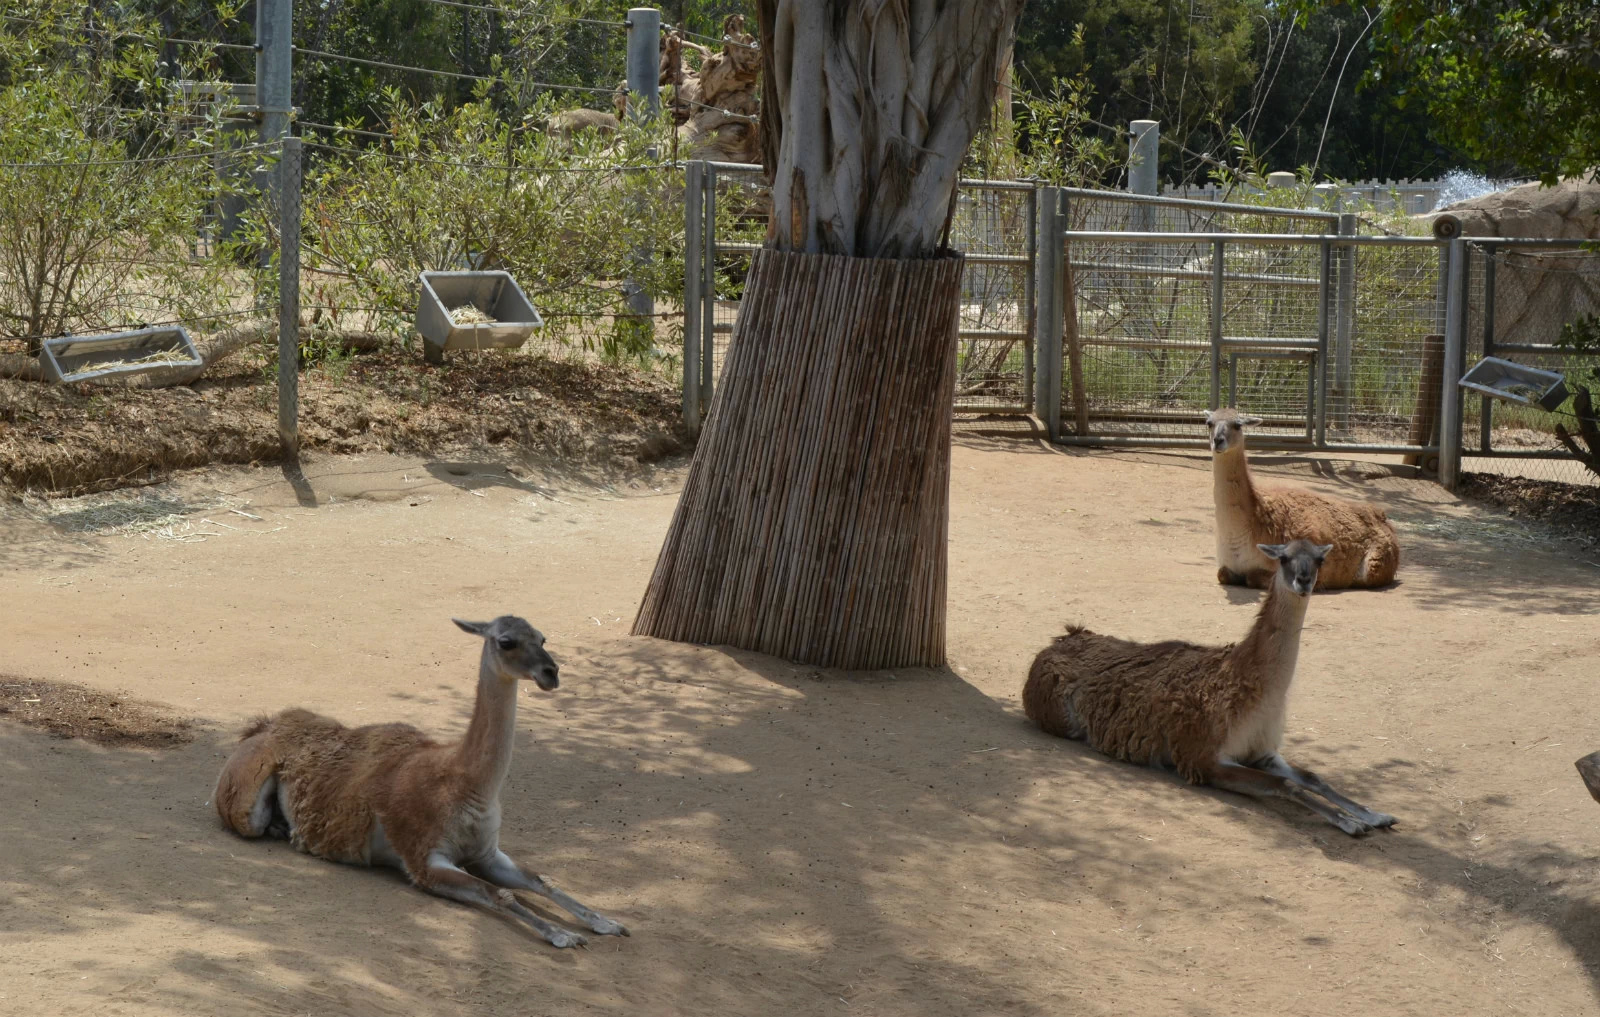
(717, 105)
(1583, 409)
(1425, 421)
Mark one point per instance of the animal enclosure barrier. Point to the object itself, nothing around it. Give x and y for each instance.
(1521, 297)
(1179, 306)
(98, 240)
(994, 224)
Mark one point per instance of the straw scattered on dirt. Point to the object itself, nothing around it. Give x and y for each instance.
(68, 710)
(1571, 511)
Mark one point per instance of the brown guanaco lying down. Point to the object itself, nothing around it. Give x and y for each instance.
(387, 794)
(1215, 714)
(1364, 550)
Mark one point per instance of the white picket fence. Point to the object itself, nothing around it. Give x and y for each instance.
(1415, 197)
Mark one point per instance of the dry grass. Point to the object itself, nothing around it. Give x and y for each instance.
(67, 710)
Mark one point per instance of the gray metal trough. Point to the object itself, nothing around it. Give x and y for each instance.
(1516, 383)
(91, 357)
(494, 293)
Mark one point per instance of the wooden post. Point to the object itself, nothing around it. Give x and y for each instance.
(1425, 420)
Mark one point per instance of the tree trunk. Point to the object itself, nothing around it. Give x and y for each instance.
(813, 522)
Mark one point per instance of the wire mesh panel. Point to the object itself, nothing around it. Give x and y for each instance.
(1157, 348)
(1330, 339)
(1387, 345)
(737, 201)
(1114, 210)
(1143, 336)
(1532, 305)
(994, 225)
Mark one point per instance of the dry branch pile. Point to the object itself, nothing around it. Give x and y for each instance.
(717, 106)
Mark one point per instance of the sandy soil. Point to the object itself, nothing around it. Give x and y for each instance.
(787, 841)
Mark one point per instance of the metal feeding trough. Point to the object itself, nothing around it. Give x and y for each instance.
(494, 295)
(86, 358)
(1516, 382)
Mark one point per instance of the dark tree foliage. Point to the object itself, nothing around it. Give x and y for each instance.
(1215, 70)
(1514, 82)
(555, 42)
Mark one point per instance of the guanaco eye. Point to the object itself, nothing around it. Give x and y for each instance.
(506, 643)
(1234, 425)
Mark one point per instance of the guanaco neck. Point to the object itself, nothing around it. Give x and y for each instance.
(1231, 481)
(485, 752)
(1265, 659)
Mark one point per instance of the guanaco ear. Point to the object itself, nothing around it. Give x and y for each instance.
(476, 628)
(1273, 551)
(1210, 416)
(1249, 421)
(1321, 552)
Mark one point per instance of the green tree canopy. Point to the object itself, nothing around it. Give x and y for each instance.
(1515, 83)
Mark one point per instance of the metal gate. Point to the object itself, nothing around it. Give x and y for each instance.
(1171, 307)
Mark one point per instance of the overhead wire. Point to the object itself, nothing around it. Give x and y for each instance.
(325, 55)
(139, 35)
(137, 159)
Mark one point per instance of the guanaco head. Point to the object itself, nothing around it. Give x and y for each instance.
(514, 650)
(1227, 428)
(1298, 562)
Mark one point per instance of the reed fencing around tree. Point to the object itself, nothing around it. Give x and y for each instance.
(993, 224)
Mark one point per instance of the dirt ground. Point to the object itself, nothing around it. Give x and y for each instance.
(69, 439)
(781, 840)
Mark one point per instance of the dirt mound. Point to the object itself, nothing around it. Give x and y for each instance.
(75, 438)
(1572, 509)
(67, 710)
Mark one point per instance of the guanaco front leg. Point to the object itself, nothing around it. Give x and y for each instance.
(501, 870)
(1280, 767)
(1231, 776)
(1256, 579)
(445, 880)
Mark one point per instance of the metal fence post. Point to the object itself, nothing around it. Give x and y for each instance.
(1486, 423)
(644, 102)
(1049, 300)
(1030, 366)
(693, 229)
(1455, 329)
(1344, 310)
(1324, 307)
(1219, 253)
(1144, 157)
(708, 291)
(289, 296)
(274, 67)
(274, 84)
